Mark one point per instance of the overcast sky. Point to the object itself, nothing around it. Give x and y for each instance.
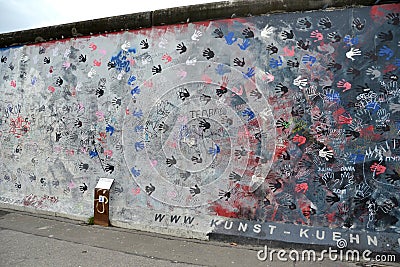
(18, 15)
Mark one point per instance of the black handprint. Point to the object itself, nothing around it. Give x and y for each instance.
(221, 90)
(293, 64)
(353, 71)
(334, 66)
(304, 23)
(83, 188)
(171, 161)
(386, 37)
(78, 123)
(3, 59)
(111, 65)
(275, 186)
(82, 58)
(156, 69)
(208, 54)
(109, 168)
(392, 178)
(18, 185)
(235, 177)
(332, 199)
(46, 60)
(303, 45)
(363, 88)
(256, 94)
(325, 23)
(391, 76)
(247, 33)
(144, 44)
(163, 127)
(32, 177)
(99, 92)
(116, 101)
(240, 153)
(194, 190)
(287, 35)
(352, 133)
(226, 195)
(150, 189)
(204, 124)
(185, 175)
(11, 66)
(238, 62)
(371, 55)
(181, 48)
(272, 48)
(183, 94)
(358, 24)
(59, 81)
(218, 33)
(83, 166)
(393, 18)
(197, 159)
(281, 89)
(42, 50)
(205, 98)
(334, 37)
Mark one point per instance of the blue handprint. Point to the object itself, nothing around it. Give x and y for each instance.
(132, 50)
(274, 63)
(93, 153)
(135, 91)
(245, 44)
(110, 129)
(139, 145)
(373, 106)
(131, 79)
(135, 172)
(249, 113)
(214, 151)
(386, 51)
(230, 39)
(138, 113)
(221, 70)
(309, 59)
(139, 128)
(397, 62)
(250, 73)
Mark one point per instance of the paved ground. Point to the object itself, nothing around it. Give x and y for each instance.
(38, 240)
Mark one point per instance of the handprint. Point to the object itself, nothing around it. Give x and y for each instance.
(156, 69)
(181, 48)
(109, 168)
(166, 58)
(386, 51)
(144, 43)
(245, 44)
(205, 98)
(214, 150)
(238, 62)
(281, 123)
(358, 24)
(272, 48)
(150, 189)
(223, 194)
(374, 72)
(247, 33)
(353, 71)
(250, 73)
(194, 190)
(230, 39)
(281, 89)
(196, 159)
(317, 35)
(183, 94)
(268, 77)
(170, 161)
(304, 23)
(303, 45)
(208, 53)
(191, 61)
(256, 94)
(300, 82)
(334, 37)
(353, 52)
(204, 124)
(274, 63)
(59, 81)
(344, 84)
(249, 113)
(332, 199)
(326, 153)
(218, 33)
(308, 59)
(277, 185)
(235, 177)
(325, 23)
(196, 35)
(83, 166)
(287, 35)
(46, 60)
(185, 175)
(385, 37)
(393, 177)
(267, 32)
(240, 153)
(393, 18)
(83, 188)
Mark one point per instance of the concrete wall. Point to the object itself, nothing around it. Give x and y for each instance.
(280, 127)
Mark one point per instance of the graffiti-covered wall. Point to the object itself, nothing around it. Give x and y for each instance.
(280, 127)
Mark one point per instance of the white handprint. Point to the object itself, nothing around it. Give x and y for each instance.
(325, 153)
(300, 82)
(267, 32)
(269, 78)
(125, 46)
(374, 72)
(196, 35)
(91, 73)
(163, 43)
(120, 75)
(191, 61)
(353, 52)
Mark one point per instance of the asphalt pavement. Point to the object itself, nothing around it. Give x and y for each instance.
(39, 240)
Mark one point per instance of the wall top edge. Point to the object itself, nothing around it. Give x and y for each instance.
(171, 16)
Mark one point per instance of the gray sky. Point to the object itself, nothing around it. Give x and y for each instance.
(28, 14)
